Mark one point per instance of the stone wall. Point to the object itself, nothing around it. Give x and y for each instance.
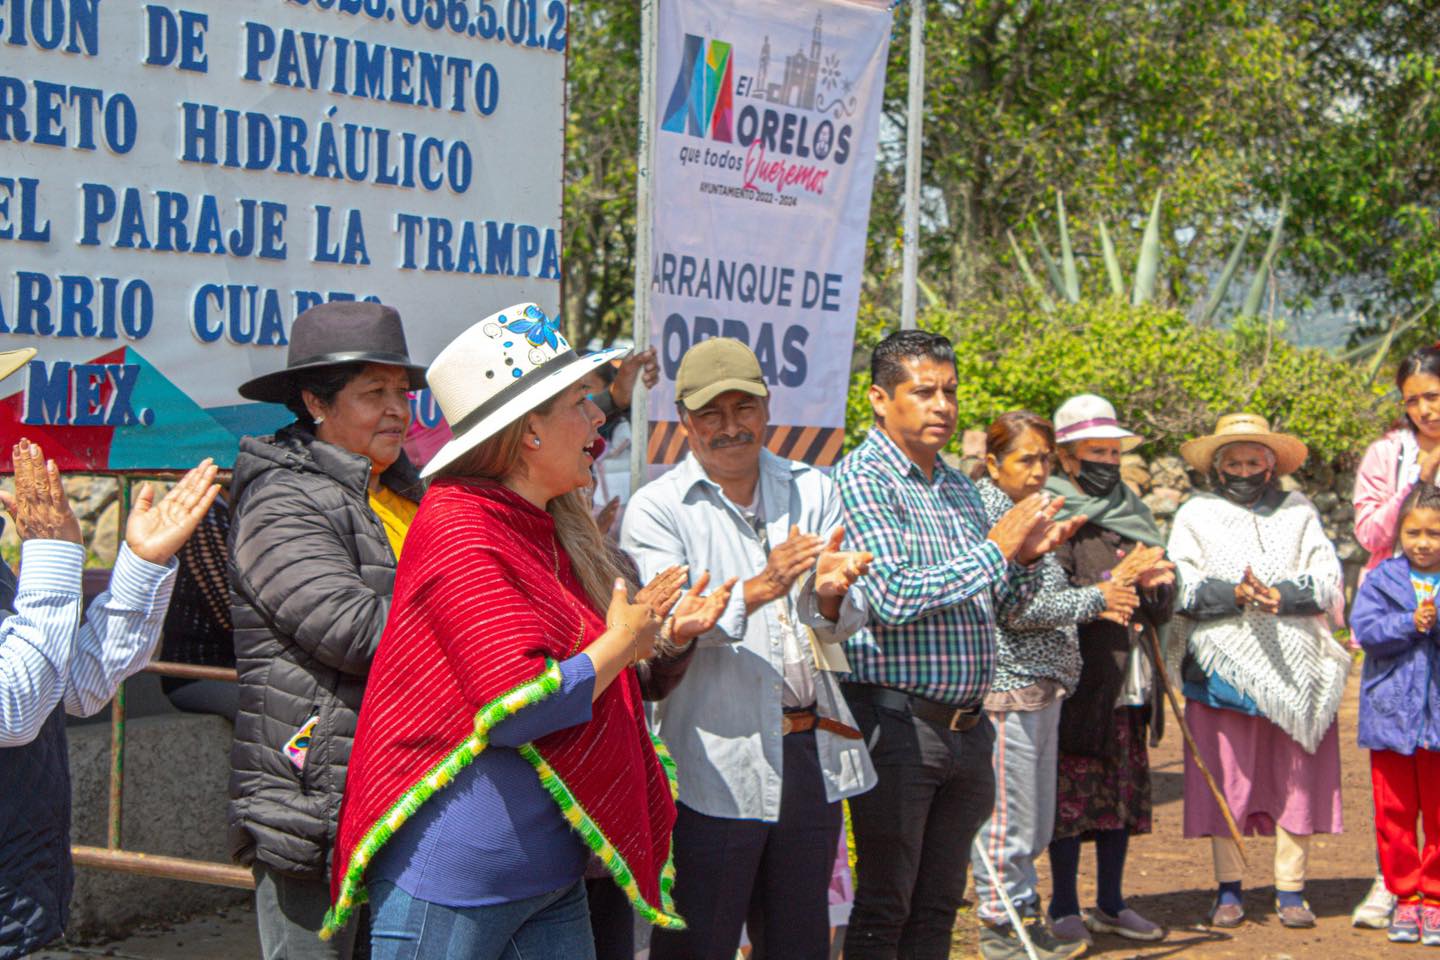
(96, 501)
(1166, 482)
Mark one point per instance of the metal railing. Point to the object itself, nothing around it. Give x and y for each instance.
(113, 856)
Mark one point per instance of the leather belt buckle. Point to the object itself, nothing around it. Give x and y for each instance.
(962, 720)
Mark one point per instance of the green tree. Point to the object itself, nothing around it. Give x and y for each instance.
(601, 132)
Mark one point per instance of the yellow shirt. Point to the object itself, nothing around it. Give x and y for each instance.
(396, 514)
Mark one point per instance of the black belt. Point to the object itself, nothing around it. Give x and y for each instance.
(953, 718)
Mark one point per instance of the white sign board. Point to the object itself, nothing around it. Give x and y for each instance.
(179, 179)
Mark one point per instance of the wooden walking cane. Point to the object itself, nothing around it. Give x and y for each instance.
(1190, 742)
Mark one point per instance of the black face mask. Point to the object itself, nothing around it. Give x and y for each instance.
(1097, 479)
(1243, 490)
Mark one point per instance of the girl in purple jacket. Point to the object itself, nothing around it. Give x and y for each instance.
(1395, 621)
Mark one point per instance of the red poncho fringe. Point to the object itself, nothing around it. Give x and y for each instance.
(480, 617)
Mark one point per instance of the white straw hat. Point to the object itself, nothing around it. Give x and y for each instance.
(1088, 417)
(1290, 451)
(499, 370)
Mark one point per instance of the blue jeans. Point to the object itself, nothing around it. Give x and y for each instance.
(537, 928)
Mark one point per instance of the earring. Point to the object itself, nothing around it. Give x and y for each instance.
(537, 441)
(319, 420)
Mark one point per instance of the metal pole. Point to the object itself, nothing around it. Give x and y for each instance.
(914, 124)
(645, 157)
(117, 710)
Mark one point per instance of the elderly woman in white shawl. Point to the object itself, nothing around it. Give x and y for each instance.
(1260, 586)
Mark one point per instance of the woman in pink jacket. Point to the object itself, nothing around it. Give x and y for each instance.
(1409, 452)
(1391, 467)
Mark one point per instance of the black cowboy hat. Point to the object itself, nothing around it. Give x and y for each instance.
(333, 333)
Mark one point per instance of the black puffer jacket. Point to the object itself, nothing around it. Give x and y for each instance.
(311, 573)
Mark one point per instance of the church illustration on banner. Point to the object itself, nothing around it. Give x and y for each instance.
(799, 86)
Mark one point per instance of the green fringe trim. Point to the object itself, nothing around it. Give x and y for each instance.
(600, 845)
(352, 887)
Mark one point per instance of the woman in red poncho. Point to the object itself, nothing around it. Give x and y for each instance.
(501, 741)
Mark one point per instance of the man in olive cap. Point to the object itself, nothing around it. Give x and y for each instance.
(764, 745)
(52, 664)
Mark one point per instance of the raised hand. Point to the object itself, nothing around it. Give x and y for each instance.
(662, 592)
(636, 620)
(605, 519)
(695, 614)
(39, 507)
(155, 531)
(642, 366)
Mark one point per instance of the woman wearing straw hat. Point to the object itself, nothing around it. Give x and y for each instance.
(1104, 763)
(1263, 674)
(502, 739)
(319, 516)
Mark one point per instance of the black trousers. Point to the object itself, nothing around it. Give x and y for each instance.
(913, 832)
(771, 878)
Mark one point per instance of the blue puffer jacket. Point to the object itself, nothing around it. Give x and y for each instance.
(35, 869)
(1400, 685)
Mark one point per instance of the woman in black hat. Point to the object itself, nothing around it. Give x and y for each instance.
(319, 519)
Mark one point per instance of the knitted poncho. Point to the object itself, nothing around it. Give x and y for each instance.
(485, 605)
(1290, 666)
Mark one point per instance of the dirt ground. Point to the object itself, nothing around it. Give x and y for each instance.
(1169, 878)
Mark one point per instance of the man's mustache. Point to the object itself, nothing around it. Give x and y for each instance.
(743, 437)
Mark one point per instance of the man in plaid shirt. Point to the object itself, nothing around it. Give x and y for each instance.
(920, 670)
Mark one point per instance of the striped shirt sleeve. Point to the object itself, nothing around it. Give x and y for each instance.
(121, 629)
(897, 591)
(37, 640)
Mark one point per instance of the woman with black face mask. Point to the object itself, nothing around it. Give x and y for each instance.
(1260, 589)
(1104, 766)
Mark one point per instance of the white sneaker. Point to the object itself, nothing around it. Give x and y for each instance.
(1374, 911)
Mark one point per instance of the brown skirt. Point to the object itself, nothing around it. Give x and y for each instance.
(1107, 793)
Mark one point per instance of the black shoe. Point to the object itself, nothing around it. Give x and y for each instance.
(1002, 943)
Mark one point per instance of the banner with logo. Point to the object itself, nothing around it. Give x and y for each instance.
(180, 178)
(765, 142)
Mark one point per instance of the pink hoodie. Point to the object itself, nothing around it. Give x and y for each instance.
(1379, 491)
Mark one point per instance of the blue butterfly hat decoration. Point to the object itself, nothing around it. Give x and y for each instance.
(539, 329)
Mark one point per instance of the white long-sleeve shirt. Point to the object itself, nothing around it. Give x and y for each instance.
(48, 656)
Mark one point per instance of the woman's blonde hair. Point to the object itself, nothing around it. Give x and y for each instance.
(498, 457)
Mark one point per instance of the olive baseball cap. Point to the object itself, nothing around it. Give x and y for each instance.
(714, 366)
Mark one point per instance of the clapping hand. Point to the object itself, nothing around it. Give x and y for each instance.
(1425, 616)
(784, 566)
(637, 620)
(696, 614)
(39, 507)
(1250, 591)
(837, 570)
(156, 531)
(663, 591)
(1121, 600)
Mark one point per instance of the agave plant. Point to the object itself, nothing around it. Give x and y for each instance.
(1064, 278)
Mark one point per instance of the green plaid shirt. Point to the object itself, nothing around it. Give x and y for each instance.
(933, 586)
